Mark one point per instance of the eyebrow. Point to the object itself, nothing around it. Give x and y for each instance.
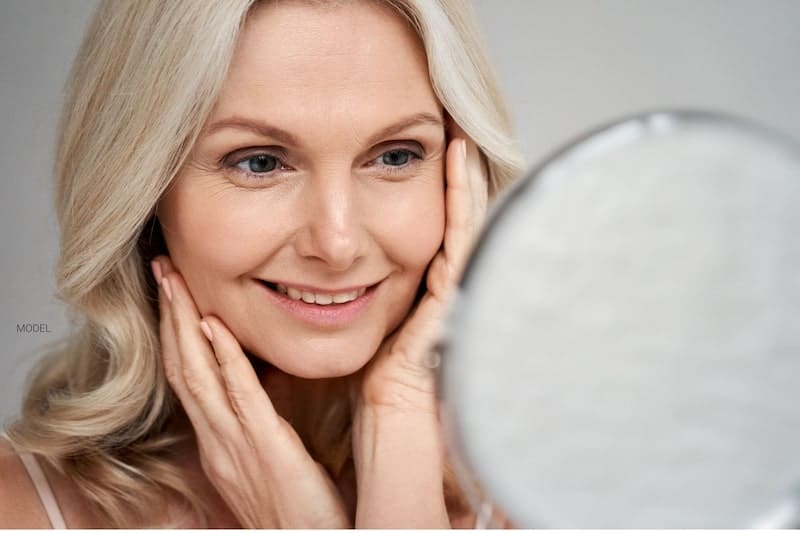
(266, 130)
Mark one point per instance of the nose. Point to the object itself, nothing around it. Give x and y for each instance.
(333, 232)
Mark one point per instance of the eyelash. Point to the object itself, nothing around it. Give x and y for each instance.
(234, 164)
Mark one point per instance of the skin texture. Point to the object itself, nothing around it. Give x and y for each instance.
(329, 213)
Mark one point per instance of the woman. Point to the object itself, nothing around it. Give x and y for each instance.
(264, 208)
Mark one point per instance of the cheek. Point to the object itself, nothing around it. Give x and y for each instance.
(412, 224)
(211, 238)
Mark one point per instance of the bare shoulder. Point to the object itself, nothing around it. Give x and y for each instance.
(20, 507)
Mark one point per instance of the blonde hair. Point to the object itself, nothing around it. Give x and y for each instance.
(98, 407)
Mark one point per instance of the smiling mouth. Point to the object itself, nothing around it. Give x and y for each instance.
(319, 310)
(321, 299)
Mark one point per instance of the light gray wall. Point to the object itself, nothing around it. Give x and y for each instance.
(571, 64)
(38, 39)
(567, 65)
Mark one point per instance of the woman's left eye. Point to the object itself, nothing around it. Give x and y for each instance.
(398, 159)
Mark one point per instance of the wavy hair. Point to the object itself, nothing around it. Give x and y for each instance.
(146, 77)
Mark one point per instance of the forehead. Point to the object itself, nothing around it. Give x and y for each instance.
(299, 58)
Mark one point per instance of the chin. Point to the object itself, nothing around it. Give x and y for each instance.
(322, 371)
(319, 362)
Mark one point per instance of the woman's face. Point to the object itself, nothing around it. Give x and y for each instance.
(319, 174)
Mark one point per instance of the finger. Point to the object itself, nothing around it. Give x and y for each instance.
(477, 176)
(173, 370)
(419, 334)
(200, 371)
(244, 391)
(165, 264)
(459, 226)
(260, 422)
(186, 317)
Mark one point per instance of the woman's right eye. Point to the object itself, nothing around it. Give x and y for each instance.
(257, 164)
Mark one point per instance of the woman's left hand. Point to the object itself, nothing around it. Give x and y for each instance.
(400, 376)
(397, 443)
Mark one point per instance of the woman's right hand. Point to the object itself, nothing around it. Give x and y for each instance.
(252, 455)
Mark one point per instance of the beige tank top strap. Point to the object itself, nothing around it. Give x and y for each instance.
(43, 489)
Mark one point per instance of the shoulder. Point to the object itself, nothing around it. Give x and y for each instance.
(20, 507)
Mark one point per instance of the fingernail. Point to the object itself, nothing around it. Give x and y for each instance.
(207, 330)
(167, 288)
(156, 266)
(464, 149)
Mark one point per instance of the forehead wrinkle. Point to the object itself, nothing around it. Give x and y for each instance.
(331, 72)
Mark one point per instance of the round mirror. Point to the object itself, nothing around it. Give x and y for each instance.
(624, 350)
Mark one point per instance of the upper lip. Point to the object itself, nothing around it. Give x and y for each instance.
(318, 290)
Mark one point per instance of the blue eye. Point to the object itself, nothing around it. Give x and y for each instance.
(396, 157)
(398, 160)
(261, 165)
(258, 164)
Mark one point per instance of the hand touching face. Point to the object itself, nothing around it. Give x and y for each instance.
(314, 199)
(313, 204)
(250, 453)
(400, 376)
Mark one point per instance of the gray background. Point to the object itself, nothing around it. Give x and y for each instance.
(566, 66)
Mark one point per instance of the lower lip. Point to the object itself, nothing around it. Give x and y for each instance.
(333, 315)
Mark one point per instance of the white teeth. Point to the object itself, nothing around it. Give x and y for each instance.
(320, 299)
(323, 299)
(308, 297)
(345, 297)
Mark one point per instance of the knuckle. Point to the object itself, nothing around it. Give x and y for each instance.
(172, 373)
(238, 398)
(178, 326)
(224, 360)
(193, 384)
(241, 400)
(218, 469)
